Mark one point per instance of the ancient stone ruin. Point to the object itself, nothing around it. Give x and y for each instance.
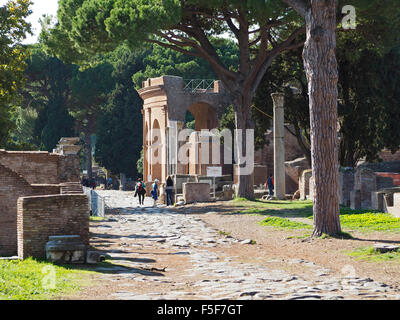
(40, 196)
(167, 99)
(373, 186)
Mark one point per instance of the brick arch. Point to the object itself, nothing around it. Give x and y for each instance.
(205, 115)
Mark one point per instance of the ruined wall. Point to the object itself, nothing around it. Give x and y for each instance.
(13, 186)
(39, 167)
(364, 184)
(346, 185)
(36, 167)
(68, 168)
(294, 170)
(265, 157)
(42, 216)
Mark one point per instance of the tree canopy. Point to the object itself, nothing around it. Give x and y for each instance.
(13, 31)
(119, 129)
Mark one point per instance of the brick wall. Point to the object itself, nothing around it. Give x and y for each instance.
(41, 167)
(394, 176)
(42, 216)
(13, 186)
(37, 167)
(68, 168)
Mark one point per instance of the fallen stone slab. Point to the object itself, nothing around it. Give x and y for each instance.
(383, 247)
(65, 249)
(247, 241)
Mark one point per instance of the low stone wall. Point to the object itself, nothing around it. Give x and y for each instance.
(196, 192)
(42, 216)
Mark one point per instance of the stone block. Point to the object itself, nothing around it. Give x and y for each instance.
(93, 257)
(355, 199)
(311, 189)
(304, 182)
(346, 185)
(196, 192)
(383, 247)
(65, 249)
(377, 201)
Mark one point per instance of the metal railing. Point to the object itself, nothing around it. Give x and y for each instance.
(198, 85)
(96, 202)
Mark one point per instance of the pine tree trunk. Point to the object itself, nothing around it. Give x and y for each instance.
(245, 187)
(320, 64)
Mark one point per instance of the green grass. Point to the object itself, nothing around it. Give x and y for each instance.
(370, 254)
(283, 223)
(26, 280)
(288, 208)
(360, 220)
(370, 222)
(93, 218)
(224, 233)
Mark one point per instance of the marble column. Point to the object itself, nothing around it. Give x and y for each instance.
(279, 146)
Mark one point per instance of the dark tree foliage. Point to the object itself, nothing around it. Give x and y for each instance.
(368, 87)
(47, 90)
(120, 129)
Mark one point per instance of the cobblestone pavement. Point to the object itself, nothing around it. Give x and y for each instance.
(210, 275)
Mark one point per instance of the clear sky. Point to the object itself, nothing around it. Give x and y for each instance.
(38, 8)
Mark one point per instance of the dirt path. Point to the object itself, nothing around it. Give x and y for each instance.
(176, 253)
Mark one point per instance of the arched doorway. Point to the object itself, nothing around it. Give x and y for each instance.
(201, 151)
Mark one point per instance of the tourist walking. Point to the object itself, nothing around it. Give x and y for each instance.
(140, 191)
(168, 190)
(270, 185)
(109, 183)
(154, 191)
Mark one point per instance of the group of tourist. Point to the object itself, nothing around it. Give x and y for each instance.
(89, 183)
(140, 191)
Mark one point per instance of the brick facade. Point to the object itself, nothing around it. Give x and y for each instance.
(29, 173)
(42, 216)
(39, 167)
(13, 186)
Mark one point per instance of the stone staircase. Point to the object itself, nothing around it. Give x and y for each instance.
(71, 188)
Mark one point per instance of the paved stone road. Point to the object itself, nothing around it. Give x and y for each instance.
(217, 275)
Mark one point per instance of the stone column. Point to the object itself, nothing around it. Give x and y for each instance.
(279, 146)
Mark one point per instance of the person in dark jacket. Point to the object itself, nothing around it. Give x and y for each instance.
(270, 185)
(169, 185)
(140, 191)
